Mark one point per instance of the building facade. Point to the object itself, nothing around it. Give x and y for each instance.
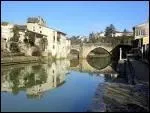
(57, 43)
(7, 31)
(141, 36)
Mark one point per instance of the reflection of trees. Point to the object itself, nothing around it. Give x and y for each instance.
(35, 96)
(14, 78)
(34, 79)
(27, 79)
(74, 62)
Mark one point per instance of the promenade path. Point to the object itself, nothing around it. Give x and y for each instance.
(129, 93)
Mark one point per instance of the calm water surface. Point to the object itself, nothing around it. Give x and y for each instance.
(59, 86)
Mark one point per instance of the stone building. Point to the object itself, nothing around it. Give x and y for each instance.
(57, 43)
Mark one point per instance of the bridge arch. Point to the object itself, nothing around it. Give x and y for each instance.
(87, 49)
(103, 50)
(74, 53)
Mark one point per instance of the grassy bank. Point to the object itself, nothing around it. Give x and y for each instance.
(23, 59)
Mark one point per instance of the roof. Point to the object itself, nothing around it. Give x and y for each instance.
(32, 20)
(142, 24)
(123, 32)
(21, 27)
(61, 32)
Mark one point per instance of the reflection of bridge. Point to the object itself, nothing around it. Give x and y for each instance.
(84, 66)
(85, 48)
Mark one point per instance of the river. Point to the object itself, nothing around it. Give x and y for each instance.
(64, 85)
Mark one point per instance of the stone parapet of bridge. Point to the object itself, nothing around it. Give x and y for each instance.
(85, 48)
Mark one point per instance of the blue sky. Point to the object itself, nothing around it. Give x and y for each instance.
(78, 18)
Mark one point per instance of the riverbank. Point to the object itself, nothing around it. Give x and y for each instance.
(23, 59)
(118, 97)
(129, 92)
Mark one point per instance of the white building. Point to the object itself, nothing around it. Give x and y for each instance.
(6, 35)
(102, 34)
(119, 34)
(7, 31)
(141, 36)
(58, 45)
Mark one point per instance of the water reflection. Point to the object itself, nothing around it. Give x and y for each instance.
(34, 79)
(99, 62)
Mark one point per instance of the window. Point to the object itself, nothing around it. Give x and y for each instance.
(58, 38)
(53, 38)
(53, 46)
(33, 28)
(40, 27)
(40, 31)
(143, 31)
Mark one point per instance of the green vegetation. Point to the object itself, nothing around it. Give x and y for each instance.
(110, 30)
(29, 38)
(4, 23)
(14, 48)
(75, 40)
(43, 43)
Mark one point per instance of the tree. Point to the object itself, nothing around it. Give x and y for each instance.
(75, 40)
(14, 45)
(109, 31)
(16, 35)
(31, 38)
(91, 35)
(44, 43)
(124, 32)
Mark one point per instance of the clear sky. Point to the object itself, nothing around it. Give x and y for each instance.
(78, 18)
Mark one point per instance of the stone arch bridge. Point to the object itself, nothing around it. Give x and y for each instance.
(85, 48)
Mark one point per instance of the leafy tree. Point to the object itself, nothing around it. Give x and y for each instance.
(107, 33)
(31, 38)
(16, 35)
(91, 35)
(75, 40)
(43, 43)
(14, 45)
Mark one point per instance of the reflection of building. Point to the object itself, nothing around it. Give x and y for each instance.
(35, 79)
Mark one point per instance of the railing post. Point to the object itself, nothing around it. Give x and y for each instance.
(120, 55)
